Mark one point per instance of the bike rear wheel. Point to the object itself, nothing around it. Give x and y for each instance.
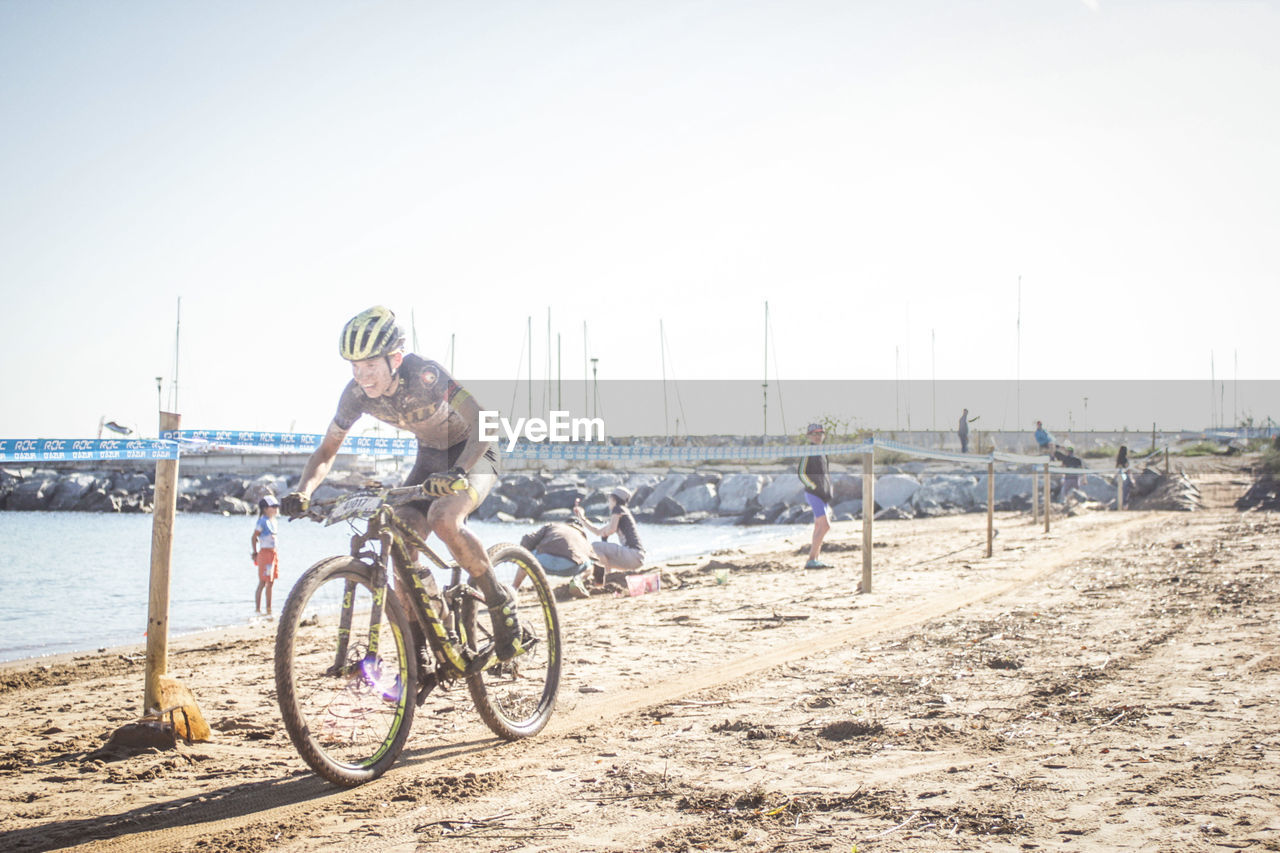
(348, 713)
(515, 698)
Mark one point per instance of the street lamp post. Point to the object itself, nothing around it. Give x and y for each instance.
(595, 388)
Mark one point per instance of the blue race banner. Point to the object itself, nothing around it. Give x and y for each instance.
(88, 449)
(204, 440)
(684, 453)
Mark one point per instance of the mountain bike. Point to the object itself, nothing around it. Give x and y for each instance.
(352, 663)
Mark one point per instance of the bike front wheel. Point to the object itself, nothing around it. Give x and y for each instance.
(345, 683)
(515, 698)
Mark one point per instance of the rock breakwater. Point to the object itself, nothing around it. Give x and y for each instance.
(720, 495)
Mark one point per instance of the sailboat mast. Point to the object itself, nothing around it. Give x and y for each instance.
(765, 386)
(662, 351)
(177, 350)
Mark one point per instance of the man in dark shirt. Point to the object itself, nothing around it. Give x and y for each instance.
(818, 492)
(455, 468)
(1069, 460)
(962, 430)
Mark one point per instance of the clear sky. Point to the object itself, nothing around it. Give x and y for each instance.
(880, 173)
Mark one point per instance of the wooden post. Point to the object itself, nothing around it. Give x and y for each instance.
(1047, 493)
(166, 505)
(1166, 462)
(868, 512)
(991, 503)
(1119, 491)
(1035, 497)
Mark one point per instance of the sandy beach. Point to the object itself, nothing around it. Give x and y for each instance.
(1109, 685)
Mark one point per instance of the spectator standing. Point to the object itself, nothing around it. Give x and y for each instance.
(963, 430)
(1122, 470)
(1044, 439)
(814, 476)
(265, 555)
(1069, 481)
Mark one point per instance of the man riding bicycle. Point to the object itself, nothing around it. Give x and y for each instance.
(454, 466)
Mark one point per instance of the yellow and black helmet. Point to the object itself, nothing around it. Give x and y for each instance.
(371, 333)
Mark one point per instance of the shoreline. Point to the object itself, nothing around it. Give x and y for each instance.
(185, 642)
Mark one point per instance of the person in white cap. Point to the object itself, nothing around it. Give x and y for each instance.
(265, 556)
(626, 555)
(818, 492)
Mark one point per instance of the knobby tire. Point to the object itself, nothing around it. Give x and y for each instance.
(351, 725)
(516, 698)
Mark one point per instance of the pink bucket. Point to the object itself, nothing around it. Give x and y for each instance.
(640, 584)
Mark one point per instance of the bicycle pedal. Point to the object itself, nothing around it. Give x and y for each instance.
(425, 686)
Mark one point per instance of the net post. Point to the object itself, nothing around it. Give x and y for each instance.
(868, 512)
(1047, 493)
(991, 502)
(1035, 497)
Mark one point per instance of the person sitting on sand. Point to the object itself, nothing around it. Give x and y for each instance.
(563, 550)
(627, 555)
(265, 556)
(816, 480)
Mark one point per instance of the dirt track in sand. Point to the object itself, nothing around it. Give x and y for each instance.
(1107, 686)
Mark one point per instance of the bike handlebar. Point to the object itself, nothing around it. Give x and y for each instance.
(395, 496)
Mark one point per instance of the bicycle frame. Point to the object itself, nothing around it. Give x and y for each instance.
(395, 537)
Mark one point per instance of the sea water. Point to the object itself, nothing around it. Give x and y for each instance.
(72, 582)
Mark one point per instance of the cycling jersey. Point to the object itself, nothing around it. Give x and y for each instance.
(424, 403)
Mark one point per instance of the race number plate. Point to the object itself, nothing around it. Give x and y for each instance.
(357, 506)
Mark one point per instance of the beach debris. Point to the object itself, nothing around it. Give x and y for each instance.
(181, 710)
(1264, 494)
(136, 737)
(1173, 491)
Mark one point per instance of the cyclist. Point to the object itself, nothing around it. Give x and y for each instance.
(417, 395)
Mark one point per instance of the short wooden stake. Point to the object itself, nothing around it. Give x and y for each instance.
(868, 512)
(1119, 491)
(1047, 493)
(1035, 498)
